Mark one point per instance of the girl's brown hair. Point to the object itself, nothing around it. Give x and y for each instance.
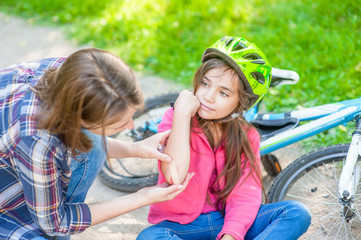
(234, 137)
(91, 86)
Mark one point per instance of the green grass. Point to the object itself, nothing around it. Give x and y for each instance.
(318, 39)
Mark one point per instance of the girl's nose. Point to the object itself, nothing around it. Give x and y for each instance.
(209, 96)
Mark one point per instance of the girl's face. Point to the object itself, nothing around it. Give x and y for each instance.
(117, 124)
(218, 93)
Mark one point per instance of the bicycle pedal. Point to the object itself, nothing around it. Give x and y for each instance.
(271, 164)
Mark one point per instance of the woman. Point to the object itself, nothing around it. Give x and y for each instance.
(55, 115)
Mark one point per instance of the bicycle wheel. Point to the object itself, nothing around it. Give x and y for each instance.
(132, 174)
(313, 180)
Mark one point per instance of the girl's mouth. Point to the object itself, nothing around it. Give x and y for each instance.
(206, 108)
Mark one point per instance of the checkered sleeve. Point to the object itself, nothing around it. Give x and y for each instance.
(39, 174)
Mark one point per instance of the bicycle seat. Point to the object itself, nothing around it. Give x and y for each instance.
(270, 127)
(284, 77)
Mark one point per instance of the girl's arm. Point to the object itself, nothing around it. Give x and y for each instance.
(228, 237)
(178, 142)
(106, 210)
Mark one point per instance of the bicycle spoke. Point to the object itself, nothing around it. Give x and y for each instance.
(339, 228)
(332, 173)
(323, 230)
(325, 216)
(320, 182)
(357, 212)
(312, 201)
(305, 187)
(334, 225)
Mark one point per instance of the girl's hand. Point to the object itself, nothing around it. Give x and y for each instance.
(164, 192)
(227, 237)
(187, 104)
(153, 146)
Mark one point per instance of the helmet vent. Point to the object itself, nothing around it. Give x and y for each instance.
(239, 46)
(259, 77)
(229, 40)
(252, 56)
(259, 62)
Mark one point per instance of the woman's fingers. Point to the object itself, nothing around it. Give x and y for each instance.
(180, 188)
(153, 147)
(163, 137)
(164, 192)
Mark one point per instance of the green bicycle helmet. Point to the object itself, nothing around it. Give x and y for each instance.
(247, 60)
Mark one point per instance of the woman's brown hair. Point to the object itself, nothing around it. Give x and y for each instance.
(91, 86)
(234, 136)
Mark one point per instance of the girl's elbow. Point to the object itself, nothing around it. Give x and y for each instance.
(168, 179)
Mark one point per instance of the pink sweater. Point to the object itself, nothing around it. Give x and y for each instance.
(242, 204)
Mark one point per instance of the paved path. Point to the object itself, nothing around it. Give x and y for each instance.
(22, 41)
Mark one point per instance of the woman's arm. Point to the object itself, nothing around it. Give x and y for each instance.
(148, 148)
(178, 142)
(106, 210)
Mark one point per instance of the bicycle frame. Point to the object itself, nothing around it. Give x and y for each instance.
(351, 172)
(321, 118)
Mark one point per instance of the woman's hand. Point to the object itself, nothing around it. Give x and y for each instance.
(153, 146)
(187, 104)
(164, 192)
(103, 211)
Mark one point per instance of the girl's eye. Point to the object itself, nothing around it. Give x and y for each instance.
(204, 83)
(224, 94)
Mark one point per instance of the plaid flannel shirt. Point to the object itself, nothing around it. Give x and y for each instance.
(34, 164)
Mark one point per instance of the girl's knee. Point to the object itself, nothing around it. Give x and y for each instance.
(143, 234)
(152, 232)
(300, 212)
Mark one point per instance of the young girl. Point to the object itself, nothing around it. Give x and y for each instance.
(55, 115)
(211, 138)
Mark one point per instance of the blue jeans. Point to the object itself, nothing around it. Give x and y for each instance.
(275, 221)
(85, 169)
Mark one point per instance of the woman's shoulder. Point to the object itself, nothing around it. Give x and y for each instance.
(31, 67)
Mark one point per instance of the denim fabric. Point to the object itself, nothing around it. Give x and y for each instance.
(276, 221)
(84, 168)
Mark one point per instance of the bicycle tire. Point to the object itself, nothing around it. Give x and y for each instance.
(130, 182)
(313, 180)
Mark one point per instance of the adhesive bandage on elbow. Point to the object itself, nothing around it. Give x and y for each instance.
(174, 173)
(172, 167)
